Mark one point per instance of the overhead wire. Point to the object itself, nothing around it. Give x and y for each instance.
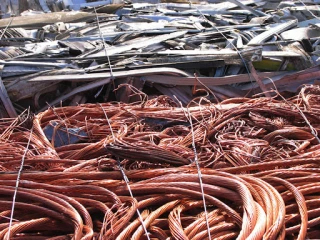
(103, 42)
(125, 178)
(230, 42)
(189, 117)
(312, 129)
(18, 181)
(4, 30)
(105, 51)
(306, 7)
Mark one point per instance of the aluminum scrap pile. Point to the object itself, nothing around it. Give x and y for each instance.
(241, 169)
(81, 51)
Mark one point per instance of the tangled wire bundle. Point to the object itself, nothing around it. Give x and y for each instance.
(241, 169)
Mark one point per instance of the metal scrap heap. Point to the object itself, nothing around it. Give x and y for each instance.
(81, 51)
(159, 120)
(244, 168)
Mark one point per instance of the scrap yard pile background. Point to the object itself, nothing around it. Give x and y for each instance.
(159, 119)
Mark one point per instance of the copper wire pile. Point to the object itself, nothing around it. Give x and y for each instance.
(129, 171)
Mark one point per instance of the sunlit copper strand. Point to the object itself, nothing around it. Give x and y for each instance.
(300, 202)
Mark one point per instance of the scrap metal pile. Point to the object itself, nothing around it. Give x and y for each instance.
(241, 169)
(81, 51)
(168, 120)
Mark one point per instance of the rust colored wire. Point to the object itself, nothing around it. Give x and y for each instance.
(90, 169)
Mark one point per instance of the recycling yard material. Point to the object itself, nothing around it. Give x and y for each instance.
(132, 171)
(81, 52)
(159, 120)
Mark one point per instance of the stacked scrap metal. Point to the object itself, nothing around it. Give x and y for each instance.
(177, 119)
(241, 169)
(81, 51)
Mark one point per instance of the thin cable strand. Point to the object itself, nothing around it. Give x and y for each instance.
(198, 167)
(18, 181)
(103, 42)
(125, 177)
(309, 10)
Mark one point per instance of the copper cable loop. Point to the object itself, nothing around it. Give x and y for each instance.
(259, 168)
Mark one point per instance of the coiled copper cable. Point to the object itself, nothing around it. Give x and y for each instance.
(259, 167)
